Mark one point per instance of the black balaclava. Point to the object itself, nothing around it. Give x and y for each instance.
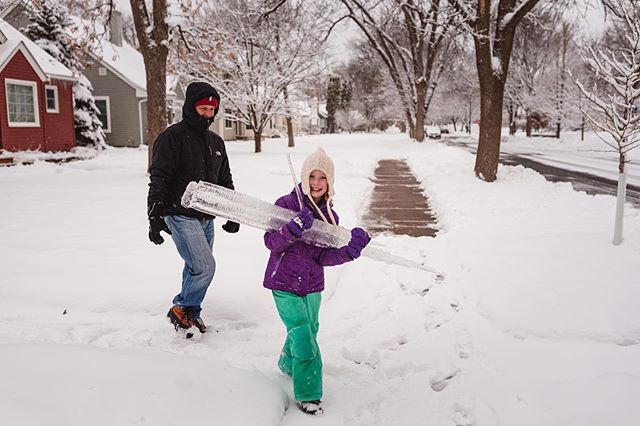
(195, 92)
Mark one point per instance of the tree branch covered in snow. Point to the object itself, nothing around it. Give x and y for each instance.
(411, 37)
(614, 98)
(252, 59)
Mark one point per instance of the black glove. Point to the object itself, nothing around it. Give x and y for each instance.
(157, 223)
(231, 227)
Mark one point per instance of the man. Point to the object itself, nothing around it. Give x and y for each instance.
(188, 151)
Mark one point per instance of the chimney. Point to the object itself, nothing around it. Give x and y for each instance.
(116, 28)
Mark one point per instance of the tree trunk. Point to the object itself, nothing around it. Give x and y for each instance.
(421, 97)
(486, 166)
(469, 118)
(291, 142)
(156, 99)
(257, 138)
(493, 53)
(528, 124)
(153, 45)
(566, 35)
(512, 119)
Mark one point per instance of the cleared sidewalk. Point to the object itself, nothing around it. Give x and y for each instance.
(398, 203)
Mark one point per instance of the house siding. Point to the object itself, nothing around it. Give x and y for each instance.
(59, 128)
(54, 132)
(124, 107)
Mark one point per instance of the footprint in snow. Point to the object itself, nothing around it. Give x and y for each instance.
(439, 385)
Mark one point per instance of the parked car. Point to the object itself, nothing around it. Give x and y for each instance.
(433, 132)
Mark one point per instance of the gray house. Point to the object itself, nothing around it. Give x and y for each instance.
(116, 72)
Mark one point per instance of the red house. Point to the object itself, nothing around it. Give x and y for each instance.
(36, 97)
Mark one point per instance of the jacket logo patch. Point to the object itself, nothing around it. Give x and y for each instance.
(218, 153)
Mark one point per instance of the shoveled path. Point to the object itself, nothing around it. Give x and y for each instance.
(398, 204)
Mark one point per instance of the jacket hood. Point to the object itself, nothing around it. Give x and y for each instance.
(195, 92)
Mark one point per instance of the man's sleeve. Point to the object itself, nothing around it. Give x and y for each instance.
(224, 177)
(162, 170)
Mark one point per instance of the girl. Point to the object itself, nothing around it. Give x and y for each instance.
(295, 274)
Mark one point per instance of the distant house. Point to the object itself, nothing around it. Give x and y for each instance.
(305, 120)
(36, 98)
(323, 118)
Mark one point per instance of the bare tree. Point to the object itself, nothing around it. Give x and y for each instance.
(369, 84)
(563, 39)
(492, 23)
(613, 109)
(457, 100)
(409, 36)
(259, 57)
(528, 83)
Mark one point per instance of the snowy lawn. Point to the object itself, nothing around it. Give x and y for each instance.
(537, 321)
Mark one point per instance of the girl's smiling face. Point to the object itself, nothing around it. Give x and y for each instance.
(318, 185)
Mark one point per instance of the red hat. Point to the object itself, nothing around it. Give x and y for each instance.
(208, 101)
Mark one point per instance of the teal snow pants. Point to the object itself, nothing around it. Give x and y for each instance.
(300, 356)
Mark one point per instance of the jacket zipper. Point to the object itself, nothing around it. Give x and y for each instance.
(277, 265)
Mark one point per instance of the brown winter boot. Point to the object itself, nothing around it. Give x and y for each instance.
(179, 317)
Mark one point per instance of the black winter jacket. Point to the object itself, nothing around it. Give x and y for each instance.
(187, 151)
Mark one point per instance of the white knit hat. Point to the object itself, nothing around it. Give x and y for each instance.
(319, 160)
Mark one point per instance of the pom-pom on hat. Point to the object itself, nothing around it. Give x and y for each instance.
(210, 100)
(318, 160)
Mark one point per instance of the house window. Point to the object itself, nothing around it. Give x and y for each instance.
(51, 97)
(102, 102)
(22, 103)
(102, 71)
(228, 123)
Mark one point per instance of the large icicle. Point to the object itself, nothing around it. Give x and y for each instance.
(219, 201)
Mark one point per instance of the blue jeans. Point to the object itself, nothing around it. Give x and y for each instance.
(194, 241)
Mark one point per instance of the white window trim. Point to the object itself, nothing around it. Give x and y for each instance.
(106, 127)
(56, 110)
(36, 108)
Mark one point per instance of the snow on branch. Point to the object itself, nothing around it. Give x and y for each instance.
(614, 106)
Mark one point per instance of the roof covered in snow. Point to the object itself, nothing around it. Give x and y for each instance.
(44, 64)
(124, 61)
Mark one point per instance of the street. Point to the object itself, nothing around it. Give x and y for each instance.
(581, 181)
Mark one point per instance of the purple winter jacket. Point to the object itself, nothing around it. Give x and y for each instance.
(295, 266)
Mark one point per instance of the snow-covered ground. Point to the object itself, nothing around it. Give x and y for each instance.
(536, 322)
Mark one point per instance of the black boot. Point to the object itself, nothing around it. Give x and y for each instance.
(199, 324)
(310, 407)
